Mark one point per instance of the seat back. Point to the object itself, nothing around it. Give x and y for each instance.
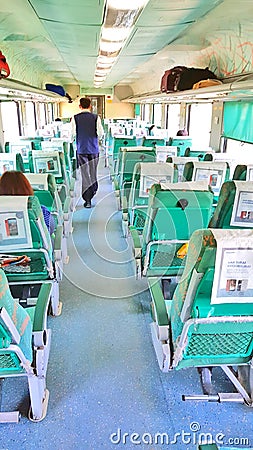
(182, 143)
(216, 172)
(122, 141)
(129, 157)
(59, 145)
(212, 306)
(144, 176)
(23, 231)
(20, 335)
(23, 147)
(152, 141)
(180, 162)
(22, 224)
(234, 208)
(11, 161)
(202, 155)
(173, 215)
(164, 151)
(45, 188)
(240, 172)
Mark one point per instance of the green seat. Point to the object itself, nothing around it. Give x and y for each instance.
(24, 232)
(180, 162)
(230, 212)
(216, 172)
(173, 214)
(163, 152)
(202, 155)
(240, 172)
(182, 143)
(24, 347)
(45, 189)
(53, 162)
(11, 161)
(117, 143)
(144, 175)
(209, 321)
(128, 157)
(152, 141)
(23, 148)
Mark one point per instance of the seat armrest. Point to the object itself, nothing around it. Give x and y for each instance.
(41, 307)
(136, 241)
(160, 309)
(58, 243)
(66, 208)
(124, 204)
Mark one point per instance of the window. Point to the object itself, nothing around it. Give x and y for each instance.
(157, 115)
(42, 115)
(10, 120)
(200, 118)
(30, 126)
(172, 119)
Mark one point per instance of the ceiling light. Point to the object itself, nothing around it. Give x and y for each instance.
(120, 17)
(115, 34)
(107, 46)
(126, 5)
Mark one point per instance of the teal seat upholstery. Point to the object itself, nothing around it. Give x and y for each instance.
(53, 162)
(172, 216)
(182, 143)
(127, 159)
(24, 344)
(152, 141)
(240, 172)
(217, 172)
(144, 175)
(117, 143)
(11, 161)
(26, 233)
(229, 194)
(179, 162)
(198, 327)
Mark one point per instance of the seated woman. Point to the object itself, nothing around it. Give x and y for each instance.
(183, 132)
(15, 183)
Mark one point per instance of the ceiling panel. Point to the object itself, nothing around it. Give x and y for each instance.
(76, 37)
(88, 12)
(146, 42)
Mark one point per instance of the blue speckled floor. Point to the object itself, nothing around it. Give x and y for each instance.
(106, 390)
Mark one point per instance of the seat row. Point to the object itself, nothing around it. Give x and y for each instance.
(31, 262)
(193, 240)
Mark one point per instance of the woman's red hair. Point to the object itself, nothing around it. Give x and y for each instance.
(14, 182)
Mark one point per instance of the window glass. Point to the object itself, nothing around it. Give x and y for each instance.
(173, 119)
(10, 122)
(200, 125)
(30, 127)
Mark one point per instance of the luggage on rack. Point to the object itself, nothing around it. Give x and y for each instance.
(206, 83)
(170, 79)
(180, 78)
(57, 89)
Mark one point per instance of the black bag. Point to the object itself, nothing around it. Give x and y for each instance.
(190, 76)
(180, 78)
(171, 78)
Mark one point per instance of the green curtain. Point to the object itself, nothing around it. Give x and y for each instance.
(137, 108)
(238, 121)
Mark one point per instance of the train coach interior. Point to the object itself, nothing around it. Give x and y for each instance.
(130, 323)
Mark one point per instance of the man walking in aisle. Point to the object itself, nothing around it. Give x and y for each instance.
(88, 132)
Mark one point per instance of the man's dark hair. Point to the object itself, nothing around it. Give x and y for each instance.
(85, 102)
